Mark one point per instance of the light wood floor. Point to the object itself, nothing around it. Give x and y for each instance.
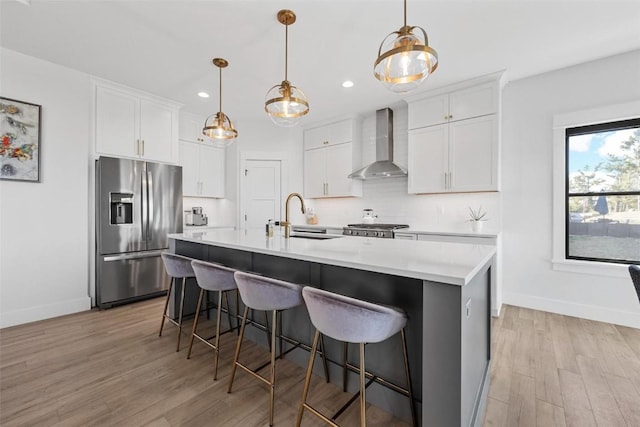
(110, 368)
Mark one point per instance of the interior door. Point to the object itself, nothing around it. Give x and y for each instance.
(262, 193)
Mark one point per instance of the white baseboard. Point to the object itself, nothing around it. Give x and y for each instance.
(32, 314)
(592, 312)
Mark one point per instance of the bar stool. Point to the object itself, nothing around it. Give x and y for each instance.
(212, 277)
(264, 293)
(178, 267)
(353, 321)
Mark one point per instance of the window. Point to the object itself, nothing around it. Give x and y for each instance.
(602, 182)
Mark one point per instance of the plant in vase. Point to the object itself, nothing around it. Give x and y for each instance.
(476, 219)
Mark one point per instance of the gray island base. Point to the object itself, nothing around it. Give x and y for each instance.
(443, 287)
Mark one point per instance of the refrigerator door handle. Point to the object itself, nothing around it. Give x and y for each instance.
(145, 208)
(150, 204)
(122, 257)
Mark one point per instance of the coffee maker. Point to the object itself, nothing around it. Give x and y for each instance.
(198, 217)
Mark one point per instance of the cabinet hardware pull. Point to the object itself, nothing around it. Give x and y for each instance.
(143, 147)
(325, 142)
(137, 147)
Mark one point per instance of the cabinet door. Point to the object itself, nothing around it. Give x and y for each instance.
(190, 128)
(473, 102)
(157, 131)
(341, 132)
(117, 123)
(315, 167)
(331, 134)
(190, 173)
(428, 159)
(429, 111)
(212, 171)
(316, 137)
(473, 156)
(339, 166)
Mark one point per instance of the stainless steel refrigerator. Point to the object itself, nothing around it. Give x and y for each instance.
(138, 204)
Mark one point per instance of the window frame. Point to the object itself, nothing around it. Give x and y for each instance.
(606, 114)
(586, 130)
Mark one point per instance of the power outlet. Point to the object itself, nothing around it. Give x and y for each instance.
(467, 307)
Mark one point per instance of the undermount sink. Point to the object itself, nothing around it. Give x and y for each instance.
(314, 236)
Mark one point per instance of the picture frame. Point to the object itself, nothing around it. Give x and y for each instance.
(20, 135)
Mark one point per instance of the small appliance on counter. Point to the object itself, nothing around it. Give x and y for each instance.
(368, 216)
(188, 217)
(197, 217)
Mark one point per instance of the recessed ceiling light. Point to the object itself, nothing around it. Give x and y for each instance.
(347, 83)
(203, 94)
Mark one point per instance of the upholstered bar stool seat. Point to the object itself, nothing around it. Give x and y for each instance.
(212, 277)
(177, 267)
(352, 321)
(264, 293)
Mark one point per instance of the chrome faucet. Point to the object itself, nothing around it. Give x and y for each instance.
(286, 224)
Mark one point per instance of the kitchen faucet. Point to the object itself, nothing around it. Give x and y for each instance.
(286, 224)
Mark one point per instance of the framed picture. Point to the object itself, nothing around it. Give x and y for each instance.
(20, 140)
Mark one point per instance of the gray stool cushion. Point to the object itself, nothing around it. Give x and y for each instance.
(351, 320)
(264, 293)
(177, 266)
(214, 277)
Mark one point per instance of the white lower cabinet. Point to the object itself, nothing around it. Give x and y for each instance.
(459, 156)
(203, 170)
(326, 170)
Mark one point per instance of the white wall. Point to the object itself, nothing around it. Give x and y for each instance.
(528, 109)
(44, 226)
(388, 196)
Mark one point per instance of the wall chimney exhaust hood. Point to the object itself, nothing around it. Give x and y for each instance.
(383, 167)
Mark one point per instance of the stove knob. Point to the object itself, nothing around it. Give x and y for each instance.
(380, 233)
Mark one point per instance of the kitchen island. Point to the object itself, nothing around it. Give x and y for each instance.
(444, 288)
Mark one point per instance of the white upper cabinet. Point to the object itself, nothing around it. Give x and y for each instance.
(461, 104)
(133, 124)
(331, 134)
(203, 170)
(329, 158)
(191, 128)
(454, 140)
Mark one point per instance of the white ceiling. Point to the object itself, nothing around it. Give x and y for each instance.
(166, 47)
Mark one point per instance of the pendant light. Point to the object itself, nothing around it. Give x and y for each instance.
(407, 59)
(284, 103)
(219, 126)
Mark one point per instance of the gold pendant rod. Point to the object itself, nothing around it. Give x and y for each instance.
(286, 51)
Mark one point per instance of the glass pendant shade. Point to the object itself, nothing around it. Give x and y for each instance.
(284, 103)
(405, 59)
(218, 125)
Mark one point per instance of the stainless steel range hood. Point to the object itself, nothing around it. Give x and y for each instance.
(383, 167)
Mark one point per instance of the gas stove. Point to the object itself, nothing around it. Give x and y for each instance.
(384, 231)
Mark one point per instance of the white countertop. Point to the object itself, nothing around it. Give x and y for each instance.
(449, 231)
(452, 263)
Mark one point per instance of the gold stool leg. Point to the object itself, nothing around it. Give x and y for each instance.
(166, 304)
(235, 358)
(195, 322)
(408, 374)
(184, 286)
(363, 421)
(272, 370)
(307, 379)
(216, 349)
